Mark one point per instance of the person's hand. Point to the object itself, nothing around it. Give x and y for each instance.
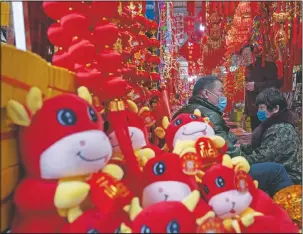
(250, 86)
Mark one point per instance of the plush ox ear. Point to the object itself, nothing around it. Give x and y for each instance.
(197, 112)
(18, 114)
(84, 93)
(34, 100)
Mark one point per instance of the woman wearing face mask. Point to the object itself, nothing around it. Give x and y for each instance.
(275, 139)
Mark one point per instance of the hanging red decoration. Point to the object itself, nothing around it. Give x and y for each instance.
(111, 32)
(83, 51)
(110, 61)
(58, 36)
(69, 21)
(56, 10)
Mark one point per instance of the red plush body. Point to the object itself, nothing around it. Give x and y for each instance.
(165, 216)
(164, 180)
(60, 139)
(231, 192)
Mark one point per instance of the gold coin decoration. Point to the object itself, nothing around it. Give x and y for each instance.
(290, 198)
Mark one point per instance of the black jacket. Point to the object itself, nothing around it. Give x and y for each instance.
(215, 115)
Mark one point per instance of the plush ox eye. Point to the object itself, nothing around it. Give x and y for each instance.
(173, 227)
(92, 114)
(66, 117)
(145, 229)
(159, 168)
(193, 117)
(178, 122)
(220, 182)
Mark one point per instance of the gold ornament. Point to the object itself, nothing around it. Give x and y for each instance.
(290, 198)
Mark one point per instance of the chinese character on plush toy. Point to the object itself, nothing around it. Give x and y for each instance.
(62, 143)
(235, 198)
(164, 180)
(165, 216)
(185, 127)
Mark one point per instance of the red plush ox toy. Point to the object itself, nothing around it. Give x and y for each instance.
(184, 127)
(164, 180)
(62, 143)
(165, 216)
(235, 198)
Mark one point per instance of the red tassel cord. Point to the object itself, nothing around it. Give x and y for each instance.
(300, 35)
(120, 126)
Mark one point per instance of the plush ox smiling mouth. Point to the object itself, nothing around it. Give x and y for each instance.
(231, 211)
(131, 136)
(91, 160)
(165, 197)
(195, 132)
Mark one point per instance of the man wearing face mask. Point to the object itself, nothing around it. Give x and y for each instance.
(208, 97)
(258, 77)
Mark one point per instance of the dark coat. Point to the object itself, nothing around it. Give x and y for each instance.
(264, 77)
(215, 115)
(276, 140)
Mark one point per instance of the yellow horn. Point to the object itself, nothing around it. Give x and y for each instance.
(218, 141)
(132, 106)
(125, 229)
(227, 162)
(197, 112)
(165, 122)
(84, 94)
(143, 109)
(34, 99)
(192, 200)
(209, 214)
(134, 209)
(240, 163)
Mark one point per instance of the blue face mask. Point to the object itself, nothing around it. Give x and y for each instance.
(261, 115)
(222, 102)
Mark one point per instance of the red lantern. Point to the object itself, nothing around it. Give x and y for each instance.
(153, 42)
(75, 24)
(110, 61)
(89, 79)
(155, 60)
(114, 87)
(55, 10)
(63, 59)
(83, 51)
(155, 76)
(105, 9)
(58, 36)
(106, 35)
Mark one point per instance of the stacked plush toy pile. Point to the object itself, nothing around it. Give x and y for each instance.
(79, 178)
